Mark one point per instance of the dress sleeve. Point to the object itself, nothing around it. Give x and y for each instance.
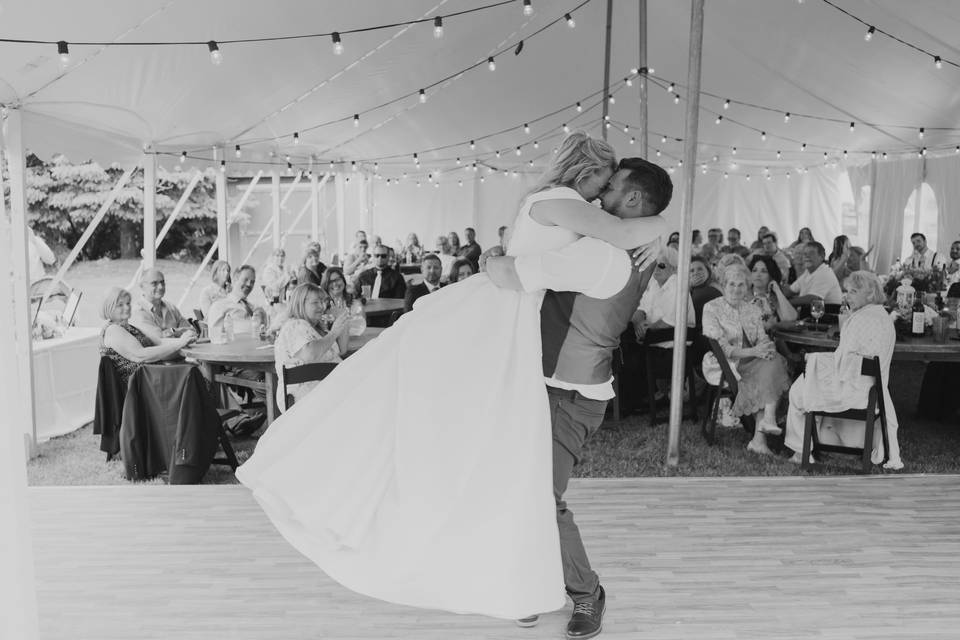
(713, 328)
(587, 266)
(294, 335)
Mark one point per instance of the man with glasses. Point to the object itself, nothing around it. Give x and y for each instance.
(383, 281)
(154, 316)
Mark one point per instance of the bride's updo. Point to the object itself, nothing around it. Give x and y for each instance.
(578, 157)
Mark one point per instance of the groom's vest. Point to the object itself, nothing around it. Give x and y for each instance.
(580, 333)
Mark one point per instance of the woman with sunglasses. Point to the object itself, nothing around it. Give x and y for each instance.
(441, 495)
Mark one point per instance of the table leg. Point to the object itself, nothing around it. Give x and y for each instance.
(270, 380)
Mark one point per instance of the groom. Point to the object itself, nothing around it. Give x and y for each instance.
(593, 290)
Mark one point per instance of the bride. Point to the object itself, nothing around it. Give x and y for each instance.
(370, 478)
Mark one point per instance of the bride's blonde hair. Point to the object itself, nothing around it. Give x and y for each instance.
(578, 157)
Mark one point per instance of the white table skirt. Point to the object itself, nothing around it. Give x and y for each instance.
(65, 381)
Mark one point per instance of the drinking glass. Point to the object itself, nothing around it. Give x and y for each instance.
(816, 310)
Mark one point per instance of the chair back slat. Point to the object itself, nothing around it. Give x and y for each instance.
(721, 357)
(307, 372)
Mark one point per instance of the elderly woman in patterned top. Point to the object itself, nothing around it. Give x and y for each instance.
(125, 345)
(303, 338)
(832, 381)
(737, 324)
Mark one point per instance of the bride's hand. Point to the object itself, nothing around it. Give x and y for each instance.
(646, 255)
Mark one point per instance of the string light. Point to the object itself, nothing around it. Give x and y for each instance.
(957, 150)
(884, 156)
(458, 161)
(530, 162)
(536, 145)
(236, 151)
(923, 151)
(423, 96)
(626, 128)
(472, 145)
(527, 8)
(778, 154)
(498, 153)
(658, 153)
(579, 108)
(715, 158)
(565, 128)
(518, 151)
(353, 165)
(337, 44)
(937, 62)
(763, 136)
(526, 128)
(289, 167)
(676, 98)
(356, 119)
(287, 158)
(215, 56)
(627, 81)
(786, 117)
(223, 166)
(852, 126)
(719, 119)
(734, 151)
(873, 156)
(611, 99)
(64, 52)
(491, 64)
(868, 36)
(416, 159)
(183, 157)
(570, 21)
(670, 88)
(844, 154)
(296, 138)
(726, 104)
(438, 27)
(633, 140)
(920, 133)
(803, 147)
(726, 175)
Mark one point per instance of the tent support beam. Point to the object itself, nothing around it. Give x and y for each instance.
(643, 27)
(23, 407)
(274, 224)
(606, 70)
(149, 210)
(315, 206)
(311, 203)
(686, 222)
(223, 223)
(216, 245)
(341, 216)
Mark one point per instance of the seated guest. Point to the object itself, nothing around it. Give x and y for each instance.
(461, 270)
(922, 257)
(471, 250)
(412, 252)
(771, 248)
(657, 309)
(219, 288)
(696, 242)
(384, 282)
(840, 257)
(701, 292)
(795, 250)
(128, 347)
(454, 241)
(767, 295)
(303, 338)
(236, 304)
(430, 268)
(733, 243)
(726, 260)
(715, 239)
(736, 324)
(310, 271)
(358, 260)
(953, 266)
(317, 248)
(334, 284)
(153, 315)
(757, 245)
(832, 381)
(274, 278)
(446, 255)
(817, 281)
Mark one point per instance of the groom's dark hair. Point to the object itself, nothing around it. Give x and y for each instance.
(651, 180)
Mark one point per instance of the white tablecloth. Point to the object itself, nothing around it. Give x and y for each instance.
(65, 381)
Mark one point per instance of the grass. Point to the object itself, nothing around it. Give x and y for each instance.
(628, 448)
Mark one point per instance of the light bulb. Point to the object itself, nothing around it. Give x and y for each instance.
(570, 21)
(536, 145)
(353, 165)
(458, 162)
(715, 158)
(676, 98)
(633, 140)
(459, 183)
(296, 138)
(566, 129)
(628, 82)
(287, 158)
(733, 151)
(472, 145)
(868, 36)
(670, 88)
(778, 155)
(423, 96)
(438, 27)
(527, 8)
(356, 119)
(518, 151)
(884, 155)
(852, 126)
(337, 45)
(526, 128)
(223, 166)
(289, 167)
(718, 120)
(611, 99)
(215, 56)
(937, 62)
(726, 104)
(579, 108)
(726, 175)
(183, 157)
(663, 139)
(64, 52)
(920, 134)
(236, 151)
(491, 64)
(803, 147)
(763, 136)
(658, 153)
(626, 128)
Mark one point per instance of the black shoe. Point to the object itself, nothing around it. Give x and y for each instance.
(529, 621)
(246, 425)
(587, 618)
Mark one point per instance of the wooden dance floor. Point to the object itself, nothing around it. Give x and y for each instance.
(723, 558)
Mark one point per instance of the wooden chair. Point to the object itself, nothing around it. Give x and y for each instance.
(312, 371)
(653, 353)
(198, 314)
(875, 408)
(729, 387)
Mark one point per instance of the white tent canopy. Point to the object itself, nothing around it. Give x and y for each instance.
(803, 58)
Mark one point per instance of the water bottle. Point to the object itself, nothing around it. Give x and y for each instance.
(228, 328)
(358, 320)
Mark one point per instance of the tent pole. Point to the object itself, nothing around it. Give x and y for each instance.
(644, 138)
(606, 70)
(315, 207)
(686, 222)
(341, 215)
(275, 211)
(223, 223)
(17, 580)
(149, 209)
(23, 407)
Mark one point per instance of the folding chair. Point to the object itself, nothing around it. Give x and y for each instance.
(654, 352)
(875, 408)
(310, 372)
(728, 388)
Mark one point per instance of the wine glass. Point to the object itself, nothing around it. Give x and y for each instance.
(816, 310)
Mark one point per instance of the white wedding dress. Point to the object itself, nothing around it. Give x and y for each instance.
(420, 471)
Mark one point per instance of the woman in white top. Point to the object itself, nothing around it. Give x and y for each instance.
(407, 505)
(303, 339)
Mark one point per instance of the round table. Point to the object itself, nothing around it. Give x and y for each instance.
(379, 307)
(246, 352)
(906, 348)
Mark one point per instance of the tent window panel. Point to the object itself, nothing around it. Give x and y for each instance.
(921, 215)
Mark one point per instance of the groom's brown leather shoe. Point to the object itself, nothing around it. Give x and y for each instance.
(587, 618)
